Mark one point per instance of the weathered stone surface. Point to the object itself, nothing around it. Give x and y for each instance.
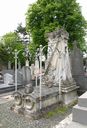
(29, 88)
(76, 61)
(26, 75)
(80, 114)
(19, 77)
(8, 79)
(77, 68)
(58, 60)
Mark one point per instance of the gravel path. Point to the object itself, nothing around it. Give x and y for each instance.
(9, 119)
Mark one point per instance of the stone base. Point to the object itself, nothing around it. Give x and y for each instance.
(69, 94)
(50, 96)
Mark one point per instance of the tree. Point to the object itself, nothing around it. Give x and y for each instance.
(21, 30)
(22, 33)
(9, 42)
(45, 16)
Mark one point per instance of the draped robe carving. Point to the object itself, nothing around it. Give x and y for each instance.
(58, 60)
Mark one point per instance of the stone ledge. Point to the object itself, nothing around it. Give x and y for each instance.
(69, 89)
(82, 100)
(80, 114)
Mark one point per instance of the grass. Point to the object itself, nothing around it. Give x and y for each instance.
(60, 110)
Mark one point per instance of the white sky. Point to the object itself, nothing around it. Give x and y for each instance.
(13, 12)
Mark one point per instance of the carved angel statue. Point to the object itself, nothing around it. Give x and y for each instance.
(58, 60)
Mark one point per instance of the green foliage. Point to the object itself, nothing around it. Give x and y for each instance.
(8, 44)
(32, 48)
(3, 55)
(46, 15)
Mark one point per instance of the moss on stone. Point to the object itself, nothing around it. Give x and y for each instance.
(61, 110)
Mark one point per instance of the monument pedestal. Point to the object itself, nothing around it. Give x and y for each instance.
(69, 92)
(49, 97)
(33, 105)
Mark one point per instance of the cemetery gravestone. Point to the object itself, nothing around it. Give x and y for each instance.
(19, 77)
(77, 68)
(26, 75)
(58, 69)
(8, 79)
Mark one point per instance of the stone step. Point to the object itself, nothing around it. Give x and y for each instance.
(82, 100)
(80, 114)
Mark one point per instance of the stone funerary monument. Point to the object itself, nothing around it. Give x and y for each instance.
(57, 83)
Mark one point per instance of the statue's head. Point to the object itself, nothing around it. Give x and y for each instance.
(58, 39)
(60, 33)
(63, 34)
